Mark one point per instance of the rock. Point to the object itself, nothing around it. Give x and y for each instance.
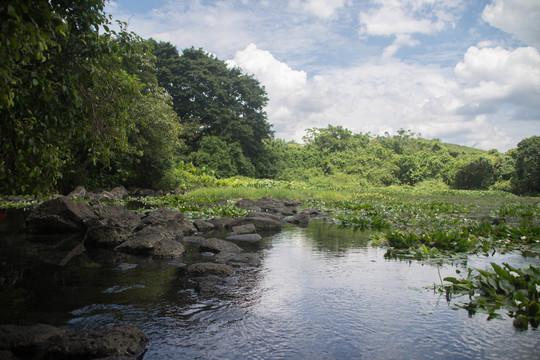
(225, 222)
(98, 343)
(26, 339)
(301, 219)
(262, 221)
(117, 216)
(312, 212)
(203, 226)
(78, 193)
(105, 236)
(173, 221)
(167, 248)
(118, 193)
(244, 237)
(60, 215)
(247, 204)
(153, 241)
(15, 198)
(210, 268)
(278, 206)
(244, 229)
(217, 245)
(210, 285)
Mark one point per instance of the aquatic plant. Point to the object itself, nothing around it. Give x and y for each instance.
(504, 287)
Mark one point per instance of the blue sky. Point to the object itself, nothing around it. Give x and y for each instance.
(463, 71)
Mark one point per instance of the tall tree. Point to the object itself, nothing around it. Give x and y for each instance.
(64, 93)
(213, 99)
(526, 179)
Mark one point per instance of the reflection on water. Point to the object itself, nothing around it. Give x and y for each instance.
(320, 293)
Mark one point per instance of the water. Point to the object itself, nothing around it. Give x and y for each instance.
(320, 293)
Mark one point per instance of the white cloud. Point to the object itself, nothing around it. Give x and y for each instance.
(278, 78)
(324, 9)
(403, 18)
(518, 17)
(495, 75)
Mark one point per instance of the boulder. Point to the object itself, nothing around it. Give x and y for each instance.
(173, 221)
(216, 246)
(262, 221)
(244, 237)
(210, 285)
(225, 222)
(210, 268)
(194, 239)
(278, 206)
(98, 343)
(247, 204)
(117, 216)
(203, 226)
(118, 193)
(105, 236)
(78, 193)
(153, 241)
(243, 229)
(26, 339)
(301, 219)
(60, 215)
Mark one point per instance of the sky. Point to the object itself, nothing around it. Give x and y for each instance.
(463, 71)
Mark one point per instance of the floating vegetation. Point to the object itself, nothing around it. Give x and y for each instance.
(503, 287)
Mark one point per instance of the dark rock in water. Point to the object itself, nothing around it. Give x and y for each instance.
(26, 339)
(218, 245)
(105, 236)
(278, 206)
(244, 237)
(117, 216)
(225, 222)
(244, 229)
(301, 219)
(262, 221)
(173, 221)
(210, 268)
(98, 343)
(312, 212)
(60, 215)
(203, 226)
(118, 193)
(207, 254)
(210, 285)
(153, 241)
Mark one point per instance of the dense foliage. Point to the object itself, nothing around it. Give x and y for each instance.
(82, 104)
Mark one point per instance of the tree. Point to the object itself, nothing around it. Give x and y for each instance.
(64, 93)
(477, 174)
(526, 179)
(212, 99)
(225, 159)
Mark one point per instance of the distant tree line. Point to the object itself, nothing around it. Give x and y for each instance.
(84, 104)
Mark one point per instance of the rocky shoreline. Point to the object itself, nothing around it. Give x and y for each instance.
(157, 234)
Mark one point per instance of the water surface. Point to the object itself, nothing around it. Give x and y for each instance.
(320, 293)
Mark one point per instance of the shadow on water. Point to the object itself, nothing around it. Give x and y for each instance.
(321, 292)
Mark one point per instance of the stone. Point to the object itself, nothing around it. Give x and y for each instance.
(26, 339)
(78, 193)
(118, 193)
(105, 236)
(203, 226)
(247, 204)
(171, 220)
(217, 245)
(210, 268)
(244, 237)
(244, 229)
(117, 216)
(153, 241)
(60, 215)
(243, 259)
(122, 340)
(263, 221)
(301, 219)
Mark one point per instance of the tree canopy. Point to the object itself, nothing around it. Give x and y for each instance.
(213, 99)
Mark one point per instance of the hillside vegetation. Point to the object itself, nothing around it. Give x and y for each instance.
(83, 104)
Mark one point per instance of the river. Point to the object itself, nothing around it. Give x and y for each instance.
(321, 292)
